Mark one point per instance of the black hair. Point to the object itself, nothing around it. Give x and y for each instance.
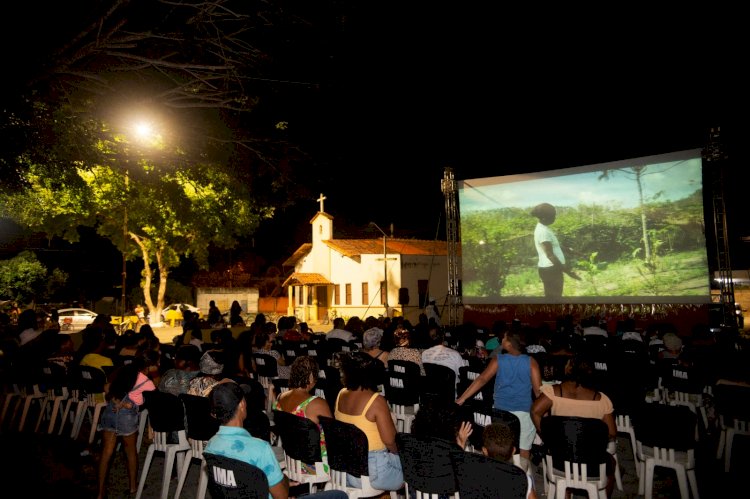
(302, 367)
(360, 370)
(498, 439)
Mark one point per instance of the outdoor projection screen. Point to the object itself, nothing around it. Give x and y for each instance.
(632, 231)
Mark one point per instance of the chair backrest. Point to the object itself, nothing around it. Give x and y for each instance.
(291, 350)
(231, 478)
(165, 411)
(346, 446)
(426, 463)
(473, 472)
(300, 437)
(200, 424)
(91, 379)
(439, 382)
(732, 402)
(466, 376)
(661, 425)
(577, 440)
(480, 416)
(265, 365)
(402, 382)
(54, 376)
(337, 345)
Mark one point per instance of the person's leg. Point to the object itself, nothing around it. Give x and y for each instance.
(527, 435)
(131, 454)
(109, 439)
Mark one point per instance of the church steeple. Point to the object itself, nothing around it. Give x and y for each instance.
(322, 223)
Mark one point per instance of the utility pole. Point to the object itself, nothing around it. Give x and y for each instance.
(385, 269)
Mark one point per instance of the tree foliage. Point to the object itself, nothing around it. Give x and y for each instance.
(24, 278)
(153, 205)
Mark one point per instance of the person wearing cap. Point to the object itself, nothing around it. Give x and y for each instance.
(371, 345)
(212, 369)
(229, 407)
(551, 264)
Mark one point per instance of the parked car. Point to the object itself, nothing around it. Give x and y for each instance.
(178, 306)
(75, 318)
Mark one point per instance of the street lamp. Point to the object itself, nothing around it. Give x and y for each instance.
(385, 268)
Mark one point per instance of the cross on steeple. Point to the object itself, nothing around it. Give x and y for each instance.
(321, 199)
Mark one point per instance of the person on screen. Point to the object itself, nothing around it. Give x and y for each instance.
(552, 263)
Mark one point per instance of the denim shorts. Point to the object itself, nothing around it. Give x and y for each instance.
(385, 471)
(123, 422)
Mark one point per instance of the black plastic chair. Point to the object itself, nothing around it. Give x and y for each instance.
(472, 472)
(665, 437)
(426, 462)
(733, 408)
(347, 454)
(167, 417)
(576, 454)
(439, 382)
(234, 479)
(402, 386)
(300, 439)
(201, 426)
(481, 416)
(466, 376)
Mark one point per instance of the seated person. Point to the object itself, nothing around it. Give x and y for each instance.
(187, 366)
(497, 443)
(298, 401)
(229, 406)
(359, 403)
(575, 397)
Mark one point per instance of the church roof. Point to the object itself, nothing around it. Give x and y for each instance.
(306, 278)
(297, 255)
(356, 247)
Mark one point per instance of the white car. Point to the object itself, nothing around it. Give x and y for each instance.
(180, 307)
(75, 318)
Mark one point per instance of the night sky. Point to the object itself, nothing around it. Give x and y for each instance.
(408, 90)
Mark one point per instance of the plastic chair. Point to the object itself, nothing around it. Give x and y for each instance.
(576, 455)
(472, 471)
(481, 416)
(402, 392)
(200, 428)
(91, 402)
(300, 439)
(167, 416)
(234, 479)
(266, 368)
(733, 408)
(665, 437)
(347, 454)
(466, 375)
(439, 382)
(625, 425)
(427, 466)
(54, 379)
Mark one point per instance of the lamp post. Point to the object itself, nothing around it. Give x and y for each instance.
(385, 268)
(124, 245)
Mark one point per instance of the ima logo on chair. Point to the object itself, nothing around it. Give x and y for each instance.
(223, 477)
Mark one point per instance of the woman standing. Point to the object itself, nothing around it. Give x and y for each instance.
(120, 418)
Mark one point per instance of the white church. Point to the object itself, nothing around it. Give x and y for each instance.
(364, 277)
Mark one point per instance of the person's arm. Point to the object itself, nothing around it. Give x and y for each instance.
(547, 247)
(478, 383)
(464, 431)
(280, 490)
(317, 407)
(539, 408)
(612, 430)
(387, 430)
(536, 377)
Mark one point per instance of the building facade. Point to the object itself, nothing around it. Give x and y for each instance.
(359, 277)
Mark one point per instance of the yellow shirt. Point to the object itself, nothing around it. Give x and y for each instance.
(370, 428)
(562, 406)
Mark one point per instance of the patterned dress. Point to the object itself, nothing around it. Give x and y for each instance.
(300, 412)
